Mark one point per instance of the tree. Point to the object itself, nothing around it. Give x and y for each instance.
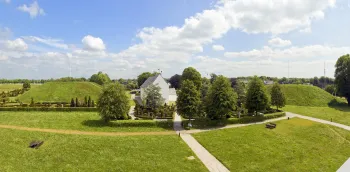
(212, 77)
(331, 89)
(26, 85)
(153, 97)
(342, 76)
(205, 88)
(89, 102)
(72, 103)
(175, 81)
(85, 101)
(100, 78)
(241, 91)
(257, 98)
(221, 98)
(188, 100)
(143, 77)
(77, 102)
(277, 97)
(113, 103)
(92, 103)
(32, 103)
(193, 75)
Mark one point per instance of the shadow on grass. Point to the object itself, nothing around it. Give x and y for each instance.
(168, 125)
(339, 105)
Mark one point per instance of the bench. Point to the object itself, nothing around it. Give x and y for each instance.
(35, 144)
(271, 125)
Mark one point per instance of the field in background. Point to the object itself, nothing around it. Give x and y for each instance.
(10, 87)
(61, 92)
(294, 145)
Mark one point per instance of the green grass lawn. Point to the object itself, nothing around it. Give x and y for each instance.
(94, 153)
(10, 87)
(61, 91)
(85, 121)
(306, 95)
(295, 145)
(340, 114)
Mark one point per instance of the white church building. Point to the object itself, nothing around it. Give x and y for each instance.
(169, 94)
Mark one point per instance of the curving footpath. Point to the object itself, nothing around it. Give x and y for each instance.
(208, 159)
(91, 133)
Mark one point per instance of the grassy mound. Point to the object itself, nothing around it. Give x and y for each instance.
(61, 92)
(306, 95)
(294, 145)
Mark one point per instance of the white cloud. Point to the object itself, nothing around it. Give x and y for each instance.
(218, 47)
(278, 42)
(311, 51)
(7, 1)
(16, 45)
(273, 16)
(57, 43)
(33, 9)
(91, 43)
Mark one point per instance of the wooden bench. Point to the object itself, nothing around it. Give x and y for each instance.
(35, 144)
(271, 125)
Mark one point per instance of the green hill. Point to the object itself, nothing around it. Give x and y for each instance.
(61, 92)
(306, 95)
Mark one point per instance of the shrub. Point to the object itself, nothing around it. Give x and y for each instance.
(113, 103)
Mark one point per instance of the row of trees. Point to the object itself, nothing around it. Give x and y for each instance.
(216, 98)
(87, 102)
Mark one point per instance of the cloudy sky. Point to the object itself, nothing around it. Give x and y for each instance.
(51, 39)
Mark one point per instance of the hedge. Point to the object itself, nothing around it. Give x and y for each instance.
(50, 109)
(208, 123)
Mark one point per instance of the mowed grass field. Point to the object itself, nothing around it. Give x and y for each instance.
(339, 114)
(10, 87)
(61, 92)
(295, 145)
(94, 153)
(84, 121)
(306, 95)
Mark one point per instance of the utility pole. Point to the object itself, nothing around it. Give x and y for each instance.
(288, 71)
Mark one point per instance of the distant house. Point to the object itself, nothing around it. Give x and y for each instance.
(169, 94)
(268, 82)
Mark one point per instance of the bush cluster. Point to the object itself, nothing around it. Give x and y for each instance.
(162, 112)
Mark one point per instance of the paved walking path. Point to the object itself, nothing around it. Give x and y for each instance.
(208, 159)
(345, 167)
(240, 125)
(320, 121)
(131, 112)
(92, 133)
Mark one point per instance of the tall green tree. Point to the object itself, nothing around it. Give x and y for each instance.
(26, 85)
(342, 76)
(221, 98)
(257, 98)
(72, 103)
(193, 75)
(277, 96)
(113, 103)
(100, 78)
(331, 89)
(241, 91)
(205, 88)
(152, 97)
(188, 100)
(175, 81)
(143, 77)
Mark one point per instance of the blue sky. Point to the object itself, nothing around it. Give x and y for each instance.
(51, 39)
